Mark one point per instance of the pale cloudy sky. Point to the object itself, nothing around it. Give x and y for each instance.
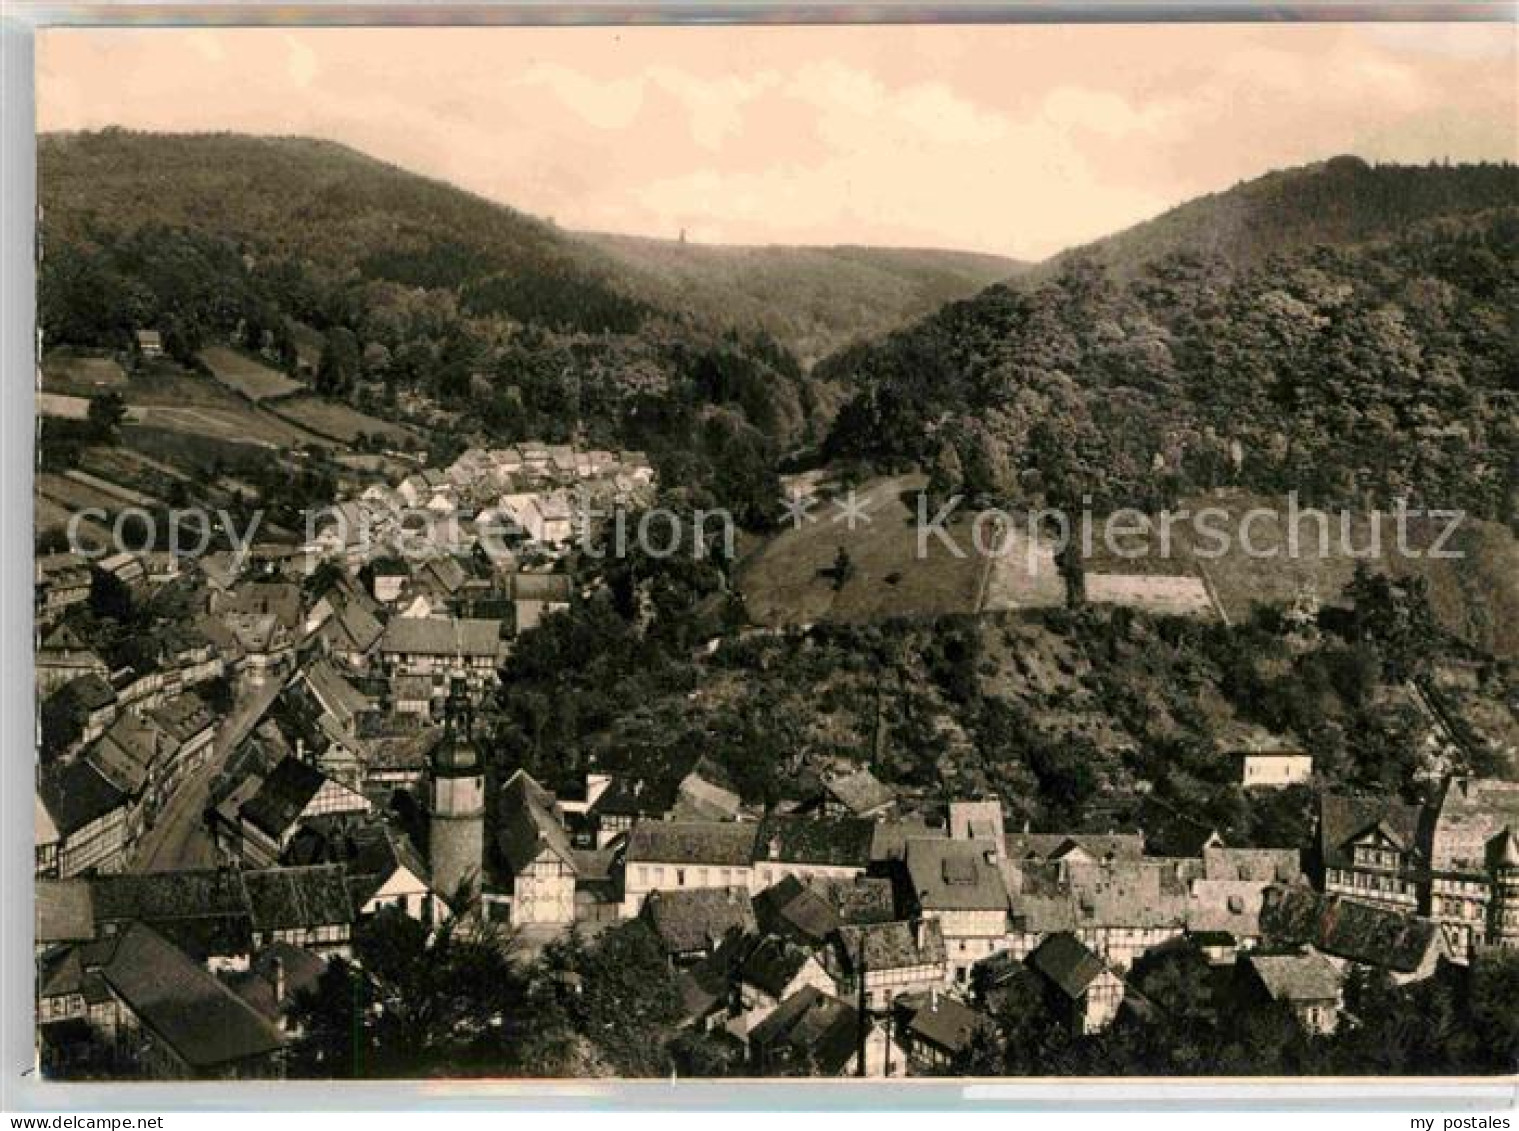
(1016, 139)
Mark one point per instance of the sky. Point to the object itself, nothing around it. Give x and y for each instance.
(1017, 140)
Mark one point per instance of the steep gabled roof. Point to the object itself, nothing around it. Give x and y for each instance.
(1296, 978)
(1067, 963)
(175, 998)
(1348, 929)
(695, 919)
(1344, 819)
(810, 1029)
(529, 823)
(286, 792)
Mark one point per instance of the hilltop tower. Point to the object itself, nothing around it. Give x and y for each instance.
(1505, 913)
(456, 804)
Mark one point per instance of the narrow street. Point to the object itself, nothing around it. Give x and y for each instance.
(179, 839)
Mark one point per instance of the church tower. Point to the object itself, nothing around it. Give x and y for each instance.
(1505, 929)
(456, 805)
(1506, 894)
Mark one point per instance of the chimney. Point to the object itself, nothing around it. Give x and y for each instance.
(277, 976)
(933, 999)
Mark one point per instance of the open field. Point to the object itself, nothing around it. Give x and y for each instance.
(72, 373)
(72, 495)
(789, 579)
(338, 422)
(247, 375)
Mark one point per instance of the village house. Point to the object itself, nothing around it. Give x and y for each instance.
(293, 792)
(349, 634)
(1408, 947)
(898, 957)
(816, 1034)
(1273, 769)
(62, 581)
(62, 656)
(388, 577)
(1307, 984)
(276, 980)
(773, 969)
(382, 867)
(935, 1029)
(78, 713)
(706, 794)
(857, 793)
(444, 649)
(958, 883)
(303, 906)
(676, 855)
(1473, 817)
(539, 864)
(1082, 989)
(1118, 906)
(154, 1007)
(690, 924)
(536, 595)
(811, 848)
(82, 820)
(1369, 850)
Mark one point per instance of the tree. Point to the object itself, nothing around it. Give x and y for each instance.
(420, 1001)
(104, 416)
(843, 569)
(338, 367)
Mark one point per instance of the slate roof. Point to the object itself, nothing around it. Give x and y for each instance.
(691, 920)
(443, 636)
(723, 843)
(1295, 978)
(1232, 906)
(89, 692)
(202, 1021)
(860, 791)
(954, 875)
(203, 912)
(822, 841)
(1343, 818)
(892, 946)
(797, 909)
(65, 911)
(810, 1030)
(528, 823)
(285, 793)
(943, 1022)
(77, 794)
(774, 963)
(1070, 896)
(294, 898)
(1345, 928)
(351, 628)
(1067, 963)
(549, 587)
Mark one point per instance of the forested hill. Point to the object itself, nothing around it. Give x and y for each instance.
(1337, 202)
(814, 299)
(350, 216)
(1352, 375)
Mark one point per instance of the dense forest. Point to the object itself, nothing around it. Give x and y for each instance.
(1353, 376)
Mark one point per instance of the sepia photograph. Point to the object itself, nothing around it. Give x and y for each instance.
(901, 551)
